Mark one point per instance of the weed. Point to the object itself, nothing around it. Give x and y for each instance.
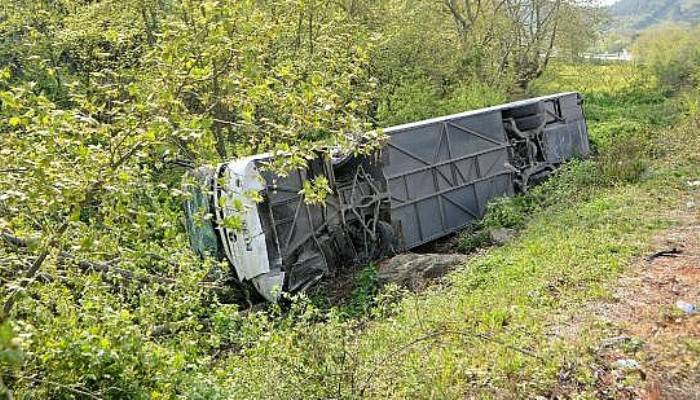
(472, 240)
(624, 161)
(363, 295)
(508, 212)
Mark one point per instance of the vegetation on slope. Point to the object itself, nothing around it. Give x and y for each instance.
(672, 52)
(491, 329)
(488, 330)
(103, 103)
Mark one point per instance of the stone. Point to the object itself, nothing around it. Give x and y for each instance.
(415, 271)
(501, 236)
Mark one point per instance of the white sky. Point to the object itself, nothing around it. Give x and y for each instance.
(606, 2)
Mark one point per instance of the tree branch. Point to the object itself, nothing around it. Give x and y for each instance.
(461, 22)
(100, 267)
(33, 269)
(62, 386)
(436, 334)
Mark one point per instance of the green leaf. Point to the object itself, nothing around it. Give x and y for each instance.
(15, 121)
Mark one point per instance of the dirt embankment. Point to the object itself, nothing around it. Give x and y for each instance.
(649, 310)
(652, 339)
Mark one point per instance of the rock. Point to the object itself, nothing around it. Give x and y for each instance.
(501, 236)
(415, 271)
(694, 183)
(686, 307)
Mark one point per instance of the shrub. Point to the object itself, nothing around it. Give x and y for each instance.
(507, 212)
(623, 161)
(472, 240)
(672, 52)
(411, 100)
(365, 291)
(419, 98)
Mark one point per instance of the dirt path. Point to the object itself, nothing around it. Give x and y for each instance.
(657, 339)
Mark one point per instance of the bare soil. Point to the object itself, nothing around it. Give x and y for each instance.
(654, 331)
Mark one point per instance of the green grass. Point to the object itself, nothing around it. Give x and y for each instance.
(559, 263)
(365, 290)
(497, 327)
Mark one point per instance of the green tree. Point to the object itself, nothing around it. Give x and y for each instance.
(671, 51)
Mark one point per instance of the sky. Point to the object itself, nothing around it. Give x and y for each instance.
(606, 2)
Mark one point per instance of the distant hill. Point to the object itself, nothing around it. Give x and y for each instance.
(636, 15)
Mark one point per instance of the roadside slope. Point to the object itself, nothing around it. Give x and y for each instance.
(497, 327)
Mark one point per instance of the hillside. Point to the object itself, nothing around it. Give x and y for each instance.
(636, 15)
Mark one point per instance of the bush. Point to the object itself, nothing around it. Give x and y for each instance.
(507, 212)
(421, 98)
(623, 161)
(412, 100)
(473, 240)
(364, 293)
(672, 52)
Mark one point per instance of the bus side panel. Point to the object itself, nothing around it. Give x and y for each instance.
(442, 173)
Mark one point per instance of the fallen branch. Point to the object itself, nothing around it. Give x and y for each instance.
(674, 252)
(55, 239)
(492, 339)
(105, 268)
(13, 240)
(13, 170)
(32, 271)
(440, 333)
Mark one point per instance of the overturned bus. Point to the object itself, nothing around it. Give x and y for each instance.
(429, 180)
